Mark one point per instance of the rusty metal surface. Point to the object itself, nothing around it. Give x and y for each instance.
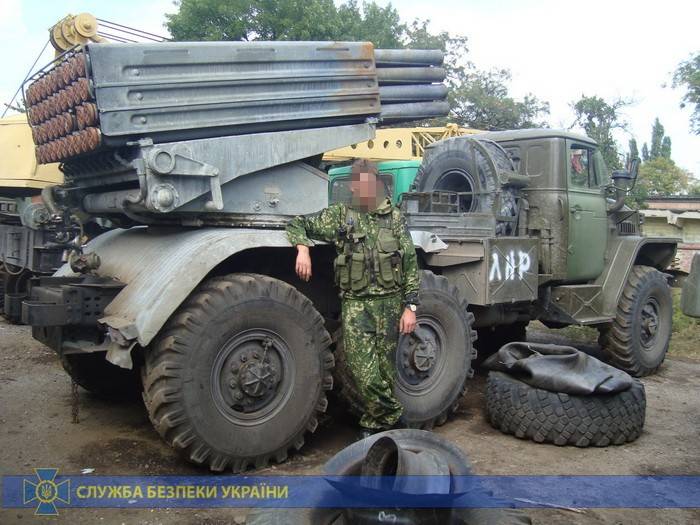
(61, 111)
(105, 95)
(150, 88)
(161, 267)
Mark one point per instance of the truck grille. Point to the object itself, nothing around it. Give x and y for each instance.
(627, 228)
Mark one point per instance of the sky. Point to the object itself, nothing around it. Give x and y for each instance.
(557, 50)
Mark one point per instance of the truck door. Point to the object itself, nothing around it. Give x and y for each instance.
(588, 222)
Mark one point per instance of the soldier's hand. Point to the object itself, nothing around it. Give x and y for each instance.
(408, 321)
(303, 264)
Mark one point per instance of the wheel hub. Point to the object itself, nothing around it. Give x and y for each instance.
(419, 354)
(423, 356)
(649, 322)
(251, 373)
(256, 377)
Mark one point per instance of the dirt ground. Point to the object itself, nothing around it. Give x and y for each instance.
(117, 439)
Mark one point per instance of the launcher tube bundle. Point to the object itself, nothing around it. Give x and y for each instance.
(103, 96)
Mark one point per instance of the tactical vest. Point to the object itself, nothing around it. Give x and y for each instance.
(361, 262)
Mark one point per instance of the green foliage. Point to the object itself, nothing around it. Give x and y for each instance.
(481, 98)
(285, 20)
(688, 76)
(657, 136)
(633, 150)
(371, 22)
(666, 147)
(599, 118)
(645, 152)
(694, 188)
(686, 331)
(659, 176)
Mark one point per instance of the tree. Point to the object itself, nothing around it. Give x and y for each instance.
(481, 100)
(657, 137)
(599, 118)
(380, 25)
(666, 147)
(660, 143)
(634, 151)
(688, 75)
(660, 176)
(694, 188)
(285, 20)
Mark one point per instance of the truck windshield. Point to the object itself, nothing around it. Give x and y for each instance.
(587, 167)
(602, 175)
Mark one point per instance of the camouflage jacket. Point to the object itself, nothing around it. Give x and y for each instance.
(330, 225)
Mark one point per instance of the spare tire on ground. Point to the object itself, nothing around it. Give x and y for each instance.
(517, 408)
(349, 462)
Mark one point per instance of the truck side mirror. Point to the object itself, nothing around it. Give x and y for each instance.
(624, 180)
(634, 169)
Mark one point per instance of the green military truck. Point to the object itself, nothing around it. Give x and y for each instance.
(200, 153)
(566, 250)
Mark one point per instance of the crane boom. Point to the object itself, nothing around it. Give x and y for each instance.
(397, 143)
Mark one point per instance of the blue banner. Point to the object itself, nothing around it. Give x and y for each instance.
(46, 491)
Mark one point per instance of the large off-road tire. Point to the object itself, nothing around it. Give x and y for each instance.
(97, 375)
(449, 165)
(430, 380)
(237, 376)
(600, 420)
(637, 340)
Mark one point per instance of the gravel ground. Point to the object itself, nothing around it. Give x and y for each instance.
(117, 439)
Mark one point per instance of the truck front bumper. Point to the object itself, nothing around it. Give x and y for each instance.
(64, 311)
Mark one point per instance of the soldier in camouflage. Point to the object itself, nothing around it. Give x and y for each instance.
(377, 273)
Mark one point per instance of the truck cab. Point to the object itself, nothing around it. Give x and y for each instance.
(585, 246)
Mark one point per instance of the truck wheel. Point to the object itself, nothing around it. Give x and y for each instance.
(97, 375)
(432, 374)
(237, 375)
(448, 165)
(637, 339)
(14, 284)
(516, 408)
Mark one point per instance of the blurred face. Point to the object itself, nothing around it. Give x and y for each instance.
(365, 190)
(577, 161)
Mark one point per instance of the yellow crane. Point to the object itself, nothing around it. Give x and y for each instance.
(397, 143)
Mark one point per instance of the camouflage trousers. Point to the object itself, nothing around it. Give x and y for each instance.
(370, 337)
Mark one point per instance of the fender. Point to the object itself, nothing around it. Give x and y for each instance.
(621, 255)
(161, 267)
